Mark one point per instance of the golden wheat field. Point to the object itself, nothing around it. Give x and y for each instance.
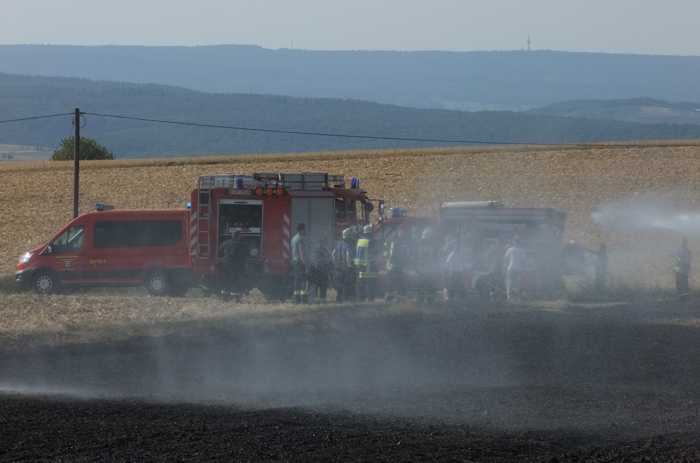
(38, 195)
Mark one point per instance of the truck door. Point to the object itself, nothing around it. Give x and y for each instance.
(318, 214)
(244, 216)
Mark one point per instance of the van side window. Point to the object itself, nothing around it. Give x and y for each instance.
(127, 234)
(70, 240)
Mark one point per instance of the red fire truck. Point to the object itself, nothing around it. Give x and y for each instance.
(264, 209)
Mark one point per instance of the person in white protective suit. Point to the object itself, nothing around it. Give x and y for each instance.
(515, 264)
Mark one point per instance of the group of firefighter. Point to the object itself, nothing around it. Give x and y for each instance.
(346, 267)
(352, 266)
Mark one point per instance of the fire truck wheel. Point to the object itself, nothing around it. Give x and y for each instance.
(45, 282)
(157, 283)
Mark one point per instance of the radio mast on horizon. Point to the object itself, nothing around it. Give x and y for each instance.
(529, 43)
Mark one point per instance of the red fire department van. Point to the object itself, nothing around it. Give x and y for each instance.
(114, 247)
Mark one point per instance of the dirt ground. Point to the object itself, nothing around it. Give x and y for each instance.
(538, 382)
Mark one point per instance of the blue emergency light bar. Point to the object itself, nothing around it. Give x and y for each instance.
(103, 207)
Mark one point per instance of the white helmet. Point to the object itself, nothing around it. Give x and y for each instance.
(367, 229)
(347, 233)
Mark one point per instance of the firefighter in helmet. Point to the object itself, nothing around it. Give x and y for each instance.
(397, 258)
(343, 272)
(231, 264)
(299, 264)
(320, 275)
(366, 274)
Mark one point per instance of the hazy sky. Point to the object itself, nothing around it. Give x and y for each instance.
(639, 26)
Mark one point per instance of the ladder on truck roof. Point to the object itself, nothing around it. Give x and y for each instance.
(203, 222)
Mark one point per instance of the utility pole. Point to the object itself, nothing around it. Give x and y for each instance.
(76, 165)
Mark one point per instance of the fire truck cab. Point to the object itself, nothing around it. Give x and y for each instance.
(264, 210)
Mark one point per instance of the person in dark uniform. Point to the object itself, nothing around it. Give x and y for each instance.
(230, 262)
(321, 270)
(343, 272)
(398, 256)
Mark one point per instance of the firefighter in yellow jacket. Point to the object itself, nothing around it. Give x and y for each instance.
(364, 266)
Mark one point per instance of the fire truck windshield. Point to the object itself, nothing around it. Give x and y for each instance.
(246, 218)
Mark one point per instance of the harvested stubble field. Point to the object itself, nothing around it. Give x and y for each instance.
(38, 195)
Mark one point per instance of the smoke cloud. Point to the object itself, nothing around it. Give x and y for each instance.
(643, 233)
(647, 213)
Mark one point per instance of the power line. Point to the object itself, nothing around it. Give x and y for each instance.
(298, 132)
(316, 134)
(34, 118)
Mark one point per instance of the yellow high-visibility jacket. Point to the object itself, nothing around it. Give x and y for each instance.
(362, 259)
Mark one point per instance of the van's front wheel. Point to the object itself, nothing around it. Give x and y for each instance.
(157, 283)
(45, 282)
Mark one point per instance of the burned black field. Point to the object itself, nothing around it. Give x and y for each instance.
(548, 382)
(132, 431)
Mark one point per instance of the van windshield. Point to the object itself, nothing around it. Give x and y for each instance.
(70, 240)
